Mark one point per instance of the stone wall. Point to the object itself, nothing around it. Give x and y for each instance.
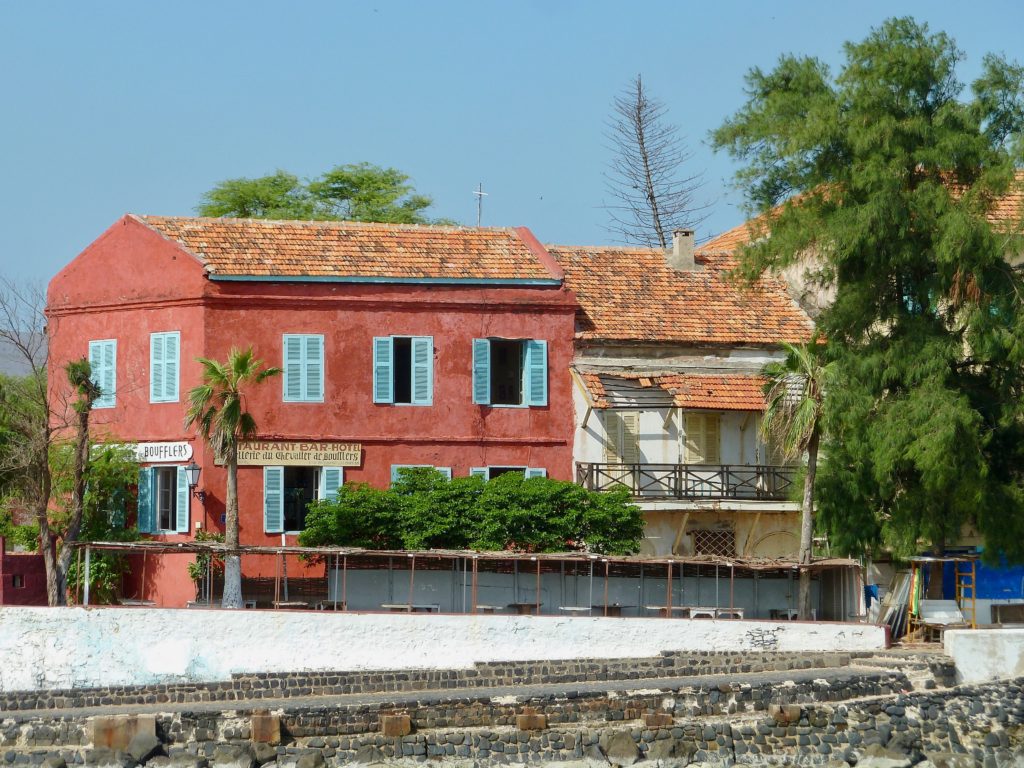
(747, 725)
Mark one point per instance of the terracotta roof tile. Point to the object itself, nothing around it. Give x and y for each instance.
(335, 249)
(632, 294)
(730, 392)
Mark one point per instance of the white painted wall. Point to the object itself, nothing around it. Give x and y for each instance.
(44, 648)
(985, 654)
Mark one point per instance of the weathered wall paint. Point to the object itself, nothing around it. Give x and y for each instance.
(132, 282)
(44, 648)
(985, 654)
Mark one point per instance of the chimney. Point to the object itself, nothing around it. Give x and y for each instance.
(680, 258)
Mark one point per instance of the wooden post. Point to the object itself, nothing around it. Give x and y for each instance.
(473, 590)
(537, 595)
(85, 600)
(412, 578)
(606, 567)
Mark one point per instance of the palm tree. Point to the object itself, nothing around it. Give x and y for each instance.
(217, 409)
(795, 398)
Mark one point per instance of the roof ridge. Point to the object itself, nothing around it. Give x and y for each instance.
(330, 223)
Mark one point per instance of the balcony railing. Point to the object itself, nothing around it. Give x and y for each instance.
(690, 481)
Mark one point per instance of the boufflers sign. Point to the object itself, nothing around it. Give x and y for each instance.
(255, 453)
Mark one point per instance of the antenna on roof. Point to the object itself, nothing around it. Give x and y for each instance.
(480, 195)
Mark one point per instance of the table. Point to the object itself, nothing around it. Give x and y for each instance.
(489, 608)
(729, 613)
(524, 609)
(789, 614)
(329, 605)
(613, 609)
(293, 605)
(576, 609)
(666, 611)
(412, 608)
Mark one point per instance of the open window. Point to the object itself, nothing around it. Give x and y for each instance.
(163, 500)
(510, 372)
(288, 492)
(403, 370)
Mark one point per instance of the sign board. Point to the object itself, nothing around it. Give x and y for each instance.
(258, 453)
(148, 453)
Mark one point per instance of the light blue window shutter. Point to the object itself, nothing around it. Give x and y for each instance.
(293, 388)
(273, 499)
(536, 372)
(146, 512)
(446, 471)
(108, 384)
(172, 348)
(482, 371)
(331, 479)
(156, 367)
(422, 370)
(102, 357)
(536, 472)
(478, 472)
(396, 470)
(383, 381)
(314, 357)
(181, 503)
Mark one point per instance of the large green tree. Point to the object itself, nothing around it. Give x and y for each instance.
(354, 192)
(217, 410)
(885, 178)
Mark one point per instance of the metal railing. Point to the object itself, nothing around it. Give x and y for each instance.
(690, 481)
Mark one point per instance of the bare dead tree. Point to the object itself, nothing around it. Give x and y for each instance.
(651, 192)
(35, 417)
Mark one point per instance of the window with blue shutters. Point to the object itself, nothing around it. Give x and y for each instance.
(403, 370)
(303, 368)
(163, 500)
(489, 473)
(289, 491)
(397, 470)
(103, 364)
(510, 372)
(164, 360)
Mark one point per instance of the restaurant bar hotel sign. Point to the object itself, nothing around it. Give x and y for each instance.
(252, 453)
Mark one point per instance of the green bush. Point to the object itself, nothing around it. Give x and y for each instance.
(425, 510)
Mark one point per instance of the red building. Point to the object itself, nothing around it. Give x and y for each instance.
(399, 345)
(22, 577)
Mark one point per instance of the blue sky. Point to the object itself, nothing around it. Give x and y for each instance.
(111, 107)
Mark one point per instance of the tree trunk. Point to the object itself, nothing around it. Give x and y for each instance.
(232, 563)
(935, 571)
(77, 501)
(46, 540)
(807, 529)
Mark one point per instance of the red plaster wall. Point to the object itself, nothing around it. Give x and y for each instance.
(132, 282)
(33, 572)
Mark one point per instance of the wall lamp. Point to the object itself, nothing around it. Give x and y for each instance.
(192, 473)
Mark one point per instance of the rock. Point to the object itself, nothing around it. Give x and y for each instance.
(312, 758)
(619, 747)
(109, 758)
(233, 756)
(671, 752)
(783, 714)
(144, 746)
(55, 762)
(946, 760)
(368, 754)
(185, 760)
(263, 753)
(877, 756)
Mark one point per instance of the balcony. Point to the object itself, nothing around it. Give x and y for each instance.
(691, 481)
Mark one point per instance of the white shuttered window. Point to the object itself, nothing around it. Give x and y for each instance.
(703, 438)
(164, 358)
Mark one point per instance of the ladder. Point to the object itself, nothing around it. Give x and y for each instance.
(966, 594)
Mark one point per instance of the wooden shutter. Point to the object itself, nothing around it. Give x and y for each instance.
(171, 354)
(313, 358)
(422, 370)
(273, 499)
(383, 379)
(146, 512)
(292, 380)
(482, 371)
(181, 516)
(703, 438)
(156, 367)
(102, 362)
(536, 472)
(535, 373)
(622, 437)
(331, 479)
